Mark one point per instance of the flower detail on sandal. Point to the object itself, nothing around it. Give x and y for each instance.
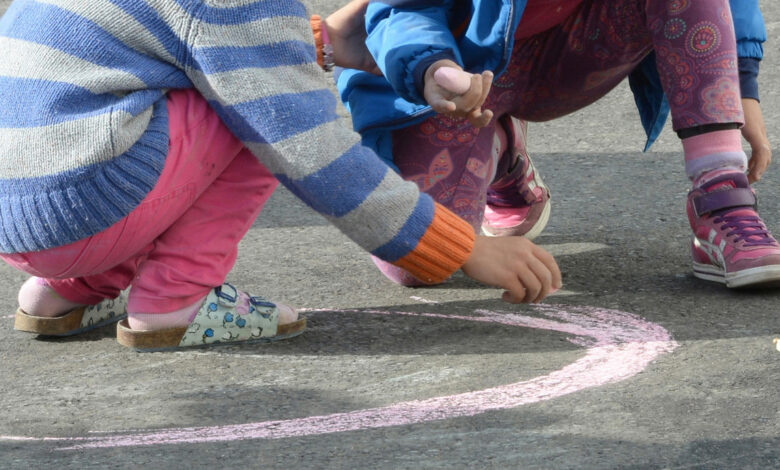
(226, 316)
(219, 319)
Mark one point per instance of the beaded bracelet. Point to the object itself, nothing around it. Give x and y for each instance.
(322, 43)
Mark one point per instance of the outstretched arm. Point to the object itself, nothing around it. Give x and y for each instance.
(284, 112)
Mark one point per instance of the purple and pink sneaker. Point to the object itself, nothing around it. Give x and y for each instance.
(731, 243)
(518, 203)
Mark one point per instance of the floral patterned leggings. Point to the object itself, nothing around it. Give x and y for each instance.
(570, 66)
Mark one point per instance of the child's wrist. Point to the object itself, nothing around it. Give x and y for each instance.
(444, 248)
(322, 43)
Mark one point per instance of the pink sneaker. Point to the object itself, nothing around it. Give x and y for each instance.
(730, 242)
(518, 203)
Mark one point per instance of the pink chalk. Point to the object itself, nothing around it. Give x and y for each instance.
(452, 79)
(618, 345)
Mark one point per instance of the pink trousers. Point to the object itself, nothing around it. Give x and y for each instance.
(182, 240)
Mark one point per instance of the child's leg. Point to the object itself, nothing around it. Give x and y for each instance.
(568, 67)
(82, 273)
(696, 55)
(518, 201)
(452, 162)
(550, 74)
(574, 64)
(99, 267)
(200, 248)
(95, 268)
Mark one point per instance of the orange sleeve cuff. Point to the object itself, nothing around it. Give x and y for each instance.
(316, 28)
(442, 250)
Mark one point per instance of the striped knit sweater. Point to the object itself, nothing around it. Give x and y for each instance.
(84, 129)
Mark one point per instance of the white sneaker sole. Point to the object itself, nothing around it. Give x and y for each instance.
(535, 231)
(746, 277)
(540, 224)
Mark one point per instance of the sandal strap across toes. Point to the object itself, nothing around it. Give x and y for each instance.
(217, 322)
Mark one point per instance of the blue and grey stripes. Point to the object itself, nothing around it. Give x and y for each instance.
(84, 124)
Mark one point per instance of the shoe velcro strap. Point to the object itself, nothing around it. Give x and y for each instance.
(723, 199)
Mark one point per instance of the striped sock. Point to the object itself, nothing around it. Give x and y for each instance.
(713, 153)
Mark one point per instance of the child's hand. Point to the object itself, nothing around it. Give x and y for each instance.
(526, 271)
(754, 131)
(451, 91)
(347, 32)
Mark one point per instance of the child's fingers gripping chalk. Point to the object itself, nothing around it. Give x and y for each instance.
(453, 80)
(526, 271)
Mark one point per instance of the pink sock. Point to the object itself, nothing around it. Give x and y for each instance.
(159, 321)
(713, 152)
(38, 299)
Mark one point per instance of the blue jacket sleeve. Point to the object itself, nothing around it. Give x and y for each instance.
(751, 34)
(407, 36)
(749, 28)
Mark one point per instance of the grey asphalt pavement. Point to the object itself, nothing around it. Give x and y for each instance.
(634, 364)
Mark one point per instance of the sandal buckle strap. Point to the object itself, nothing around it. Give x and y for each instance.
(262, 306)
(227, 294)
(218, 320)
(258, 301)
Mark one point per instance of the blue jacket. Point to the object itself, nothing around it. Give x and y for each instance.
(406, 36)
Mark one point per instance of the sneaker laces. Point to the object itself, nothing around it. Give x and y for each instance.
(747, 226)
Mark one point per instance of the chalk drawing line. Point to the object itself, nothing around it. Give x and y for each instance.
(618, 346)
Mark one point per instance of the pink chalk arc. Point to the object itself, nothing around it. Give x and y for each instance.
(618, 346)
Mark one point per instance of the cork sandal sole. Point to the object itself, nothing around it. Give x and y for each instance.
(63, 325)
(170, 338)
(78, 320)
